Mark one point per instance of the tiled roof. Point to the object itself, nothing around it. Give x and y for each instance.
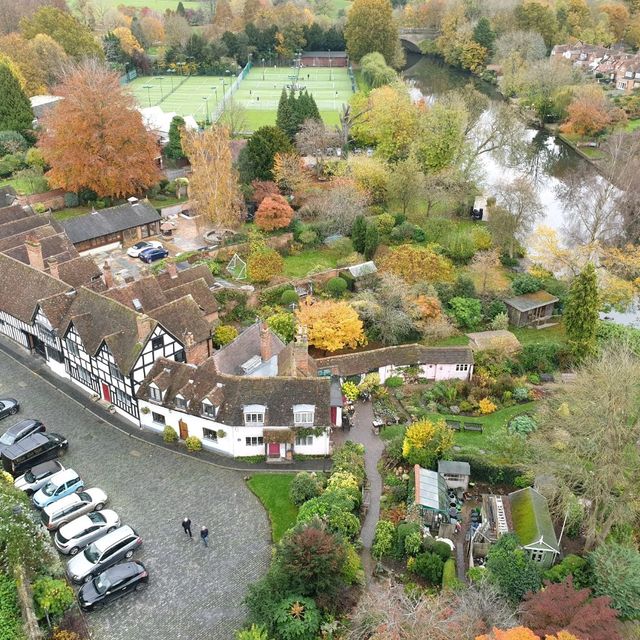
(183, 316)
(349, 364)
(199, 291)
(80, 271)
(530, 301)
(112, 220)
(146, 290)
(22, 287)
(231, 393)
(12, 213)
(186, 275)
(7, 196)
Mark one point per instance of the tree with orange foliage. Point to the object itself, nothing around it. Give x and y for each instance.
(289, 173)
(331, 325)
(524, 633)
(590, 112)
(262, 189)
(274, 212)
(95, 138)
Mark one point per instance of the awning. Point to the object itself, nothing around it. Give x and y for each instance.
(278, 435)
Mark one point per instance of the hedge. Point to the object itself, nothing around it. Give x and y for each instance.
(449, 577)
(10, 620)
(487, 471)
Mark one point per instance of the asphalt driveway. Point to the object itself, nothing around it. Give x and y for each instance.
(194, 593)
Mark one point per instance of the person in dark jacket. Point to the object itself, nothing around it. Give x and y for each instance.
(204, 534)
(186, 525)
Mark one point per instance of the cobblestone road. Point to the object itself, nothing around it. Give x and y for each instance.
(194, 593)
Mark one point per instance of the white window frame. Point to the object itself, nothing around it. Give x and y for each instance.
(74, 350)
(249, 441)
(161, 415)
(208, 410)
(115, 372)
(462, 367)
(254, 415)
(209, 434)
(304, 441)
(303, 415)
(181, 403)
(154, 393)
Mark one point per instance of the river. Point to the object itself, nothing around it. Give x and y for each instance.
(548, 161)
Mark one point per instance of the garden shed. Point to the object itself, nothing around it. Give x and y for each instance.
(533, 526)
(456, 474)
(530, 308)
(501, 340)
(431, 495)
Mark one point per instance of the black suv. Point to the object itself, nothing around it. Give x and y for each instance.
(32, 450)
(20, 430)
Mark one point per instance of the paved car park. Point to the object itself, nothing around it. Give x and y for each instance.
(194, 593)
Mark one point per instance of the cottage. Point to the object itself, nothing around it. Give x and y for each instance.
(114, 226)
(455, 474)
(530, 308)
(430, 363)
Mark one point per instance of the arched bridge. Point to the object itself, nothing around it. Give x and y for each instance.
(411, 38)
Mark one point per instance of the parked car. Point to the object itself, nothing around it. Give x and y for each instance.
(37, 476)
(103, 553)
(82, 531)
(8, 407)
(60, 484)
(151, 255)
(62, 511)
(143, 245)
(20, 430)
(113, 583)
(32, 450)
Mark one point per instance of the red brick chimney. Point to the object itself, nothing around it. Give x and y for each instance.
(107, 275)
(172, 269)
(265, 342)
(145, 324)
(197, 352)
(34, 252)
(54, 267)
(301, 353)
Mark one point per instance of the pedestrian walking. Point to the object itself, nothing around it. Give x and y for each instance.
(186, 525)
(204, 534)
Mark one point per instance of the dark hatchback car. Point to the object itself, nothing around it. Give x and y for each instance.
(20, 430)
(113, 583)
(8, 407)
(151, 255)
(33, 450)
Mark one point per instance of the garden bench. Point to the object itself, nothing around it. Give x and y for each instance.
(452, 424)
(472, 426)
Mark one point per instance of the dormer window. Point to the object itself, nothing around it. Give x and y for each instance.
(254, 415)
(181, 403)
(154, 393)
(208, 410)
(303, 415)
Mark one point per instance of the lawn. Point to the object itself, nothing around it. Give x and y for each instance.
(632, 125)
(272, 489)
(70, 212)
(300, 264)
(25, 186)
(526, 335)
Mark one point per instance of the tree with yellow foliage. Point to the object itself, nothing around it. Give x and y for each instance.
(127, 40)
(331, 325)
(426, 442)
(417, 264)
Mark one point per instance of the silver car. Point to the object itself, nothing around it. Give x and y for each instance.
(103, 553)
(82, 531)
(37, 477)
(62, 511)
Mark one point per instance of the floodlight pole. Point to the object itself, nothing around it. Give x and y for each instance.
(148, 87)
(206, 104)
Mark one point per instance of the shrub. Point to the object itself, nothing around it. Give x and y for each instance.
(486, 406)
(394, 382)
(308, 237)
(193, 443)
(441, 549)
(10, 620)
(425, 442)
(449, 577)
(540, 357)
(12, 142)
(289, 297)
(525, 480)
(336, 286)
(522, 425)
(494, 308)
(350, 391)
(481, 238)
(467, 312)
(297, 619)
(274, 212)
(385, 223)
(352, 572)
(459, 246)
(254, 632)
(384, 539)
(304, 486)
(169, 434)
(343, 480)
(571, 565)
(500, 322)
(350, 457)
(264, 264)
(52, 597)
(525, 283)
(224, 334)
(520, 394)
(429, 566)
(404, 530)
(71, 199)
(413, 543)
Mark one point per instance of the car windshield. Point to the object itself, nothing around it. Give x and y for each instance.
(102, 583)
(1, 406)
(139, 245)
(29, 477)
(96, 517)
(7, 438)
(49, 488)
(91, 553)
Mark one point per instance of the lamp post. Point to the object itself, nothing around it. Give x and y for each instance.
(262, 69)
(224, 91)
(206, 104)
(148, 87)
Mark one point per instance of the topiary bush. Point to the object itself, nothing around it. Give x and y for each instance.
(71, 199)
(522, 425)
(169, 434)
(441, 549)
(336, 286)
(383, 540)
(394, 382)
(297, 618)
(413, 543)
(429, 566)
(289, 297)
(304, 486)
(404, 530)
(193, 444)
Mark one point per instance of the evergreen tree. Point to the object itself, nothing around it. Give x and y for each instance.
(180, 9)
(307, 107)
(484, 35)
(358, 233)
(113, 51)
(256, 162)
(286, 117)
(581, 313)
(15, 108)
(173, 149)
(371, 240)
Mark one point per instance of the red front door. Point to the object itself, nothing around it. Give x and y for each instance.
(106, 393)
(274, 449)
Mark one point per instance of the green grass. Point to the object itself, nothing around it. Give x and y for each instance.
(24, 186)
(70, 212)
(632, 125)
(526, 335)
(299, 265)
(272, 489)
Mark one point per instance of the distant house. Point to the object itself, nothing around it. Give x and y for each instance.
(455, 474)
(324, 59)
(124, 223)
(159, 122)
(530, 308)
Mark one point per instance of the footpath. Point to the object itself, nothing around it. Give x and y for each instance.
(36, 364)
